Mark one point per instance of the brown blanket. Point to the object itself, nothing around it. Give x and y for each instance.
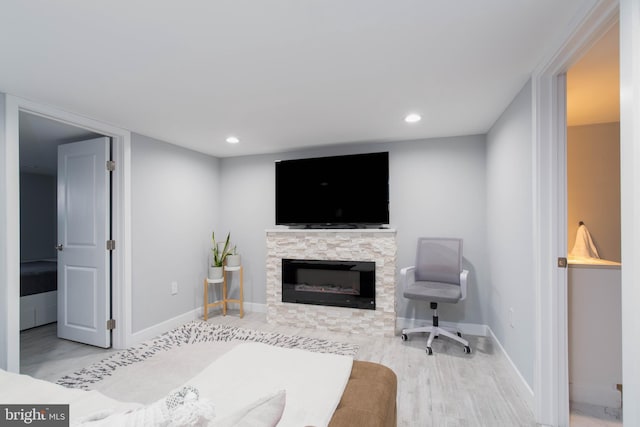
(369, 399)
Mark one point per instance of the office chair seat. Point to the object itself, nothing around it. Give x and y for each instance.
(433, 291)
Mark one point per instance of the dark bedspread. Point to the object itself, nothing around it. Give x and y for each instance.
(37, 277)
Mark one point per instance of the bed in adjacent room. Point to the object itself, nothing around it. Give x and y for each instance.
(38, 293)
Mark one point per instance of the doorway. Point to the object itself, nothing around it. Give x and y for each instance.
(39, 139)
(10, 223)
(594, 237)
(551, 375)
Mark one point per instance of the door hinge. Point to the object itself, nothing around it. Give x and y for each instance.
(111, 324)
(111, 245)
(111, 165)
(562, 262)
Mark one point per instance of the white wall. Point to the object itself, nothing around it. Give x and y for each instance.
(510, 284)
(593, 185)
(37, 216)
(594, 370)
(175, 206)
(247, 208)
(437, 188)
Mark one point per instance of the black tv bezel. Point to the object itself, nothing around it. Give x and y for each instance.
(334, 225)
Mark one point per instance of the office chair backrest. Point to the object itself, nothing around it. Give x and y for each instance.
(439, 260)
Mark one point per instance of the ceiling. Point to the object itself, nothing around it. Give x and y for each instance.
(280, 75)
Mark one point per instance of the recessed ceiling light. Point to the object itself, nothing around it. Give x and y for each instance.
(232, 140)
(412, 118)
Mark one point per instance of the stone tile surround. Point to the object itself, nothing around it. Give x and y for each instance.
(378, 245)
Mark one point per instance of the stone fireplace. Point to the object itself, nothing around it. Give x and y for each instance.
(369, 249)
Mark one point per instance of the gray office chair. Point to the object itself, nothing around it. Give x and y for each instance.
(437, 277)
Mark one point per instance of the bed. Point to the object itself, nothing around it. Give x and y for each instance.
(38, 293)
(253, 384)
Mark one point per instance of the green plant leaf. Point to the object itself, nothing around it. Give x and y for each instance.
(218, 255)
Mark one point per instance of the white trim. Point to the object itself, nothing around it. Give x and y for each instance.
(121, 300)
(465, 328)
(549, 228)
(630, 197)
(121, 292)
(562, 274)
(252, 307)
(523, 387)
(181, 319)
(10, 229)
(165, 326)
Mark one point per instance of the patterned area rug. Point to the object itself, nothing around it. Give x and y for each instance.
(192, 333)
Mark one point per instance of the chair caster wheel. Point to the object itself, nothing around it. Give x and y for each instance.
(467, 349)
(404, 337)
(429, 351)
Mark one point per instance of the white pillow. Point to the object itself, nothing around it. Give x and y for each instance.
(264, 412)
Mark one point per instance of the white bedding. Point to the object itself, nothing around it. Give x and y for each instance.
(23, 389)
(313, 382)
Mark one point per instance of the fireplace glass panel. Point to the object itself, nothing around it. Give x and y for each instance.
(331, 283)
(339, 282)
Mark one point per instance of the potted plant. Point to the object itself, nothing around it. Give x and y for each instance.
(219, 252)
(233, 258)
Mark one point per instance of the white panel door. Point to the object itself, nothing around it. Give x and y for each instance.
(84, 285)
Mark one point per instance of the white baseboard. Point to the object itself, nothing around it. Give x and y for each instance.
(465, 328)
(255, 307)
(252, 307)
(523, 387)
(167, 325)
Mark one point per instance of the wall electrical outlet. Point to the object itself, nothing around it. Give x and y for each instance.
(511, 317)
(174, 288)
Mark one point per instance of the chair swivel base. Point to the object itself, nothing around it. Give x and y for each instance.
(434, 332)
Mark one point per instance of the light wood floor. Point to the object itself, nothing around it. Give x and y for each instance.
(449, 388)
(43, 355)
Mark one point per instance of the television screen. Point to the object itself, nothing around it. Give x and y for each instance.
(350, 190)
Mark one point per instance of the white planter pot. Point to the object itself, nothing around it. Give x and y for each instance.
(215, 272)
(233, 260)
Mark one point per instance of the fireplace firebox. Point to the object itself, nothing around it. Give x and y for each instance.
(333, 283)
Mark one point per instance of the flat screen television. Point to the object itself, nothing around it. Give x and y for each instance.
(350, 190)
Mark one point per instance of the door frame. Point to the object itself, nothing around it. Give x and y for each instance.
(630, 199)
(551, 378)
(10, 224)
